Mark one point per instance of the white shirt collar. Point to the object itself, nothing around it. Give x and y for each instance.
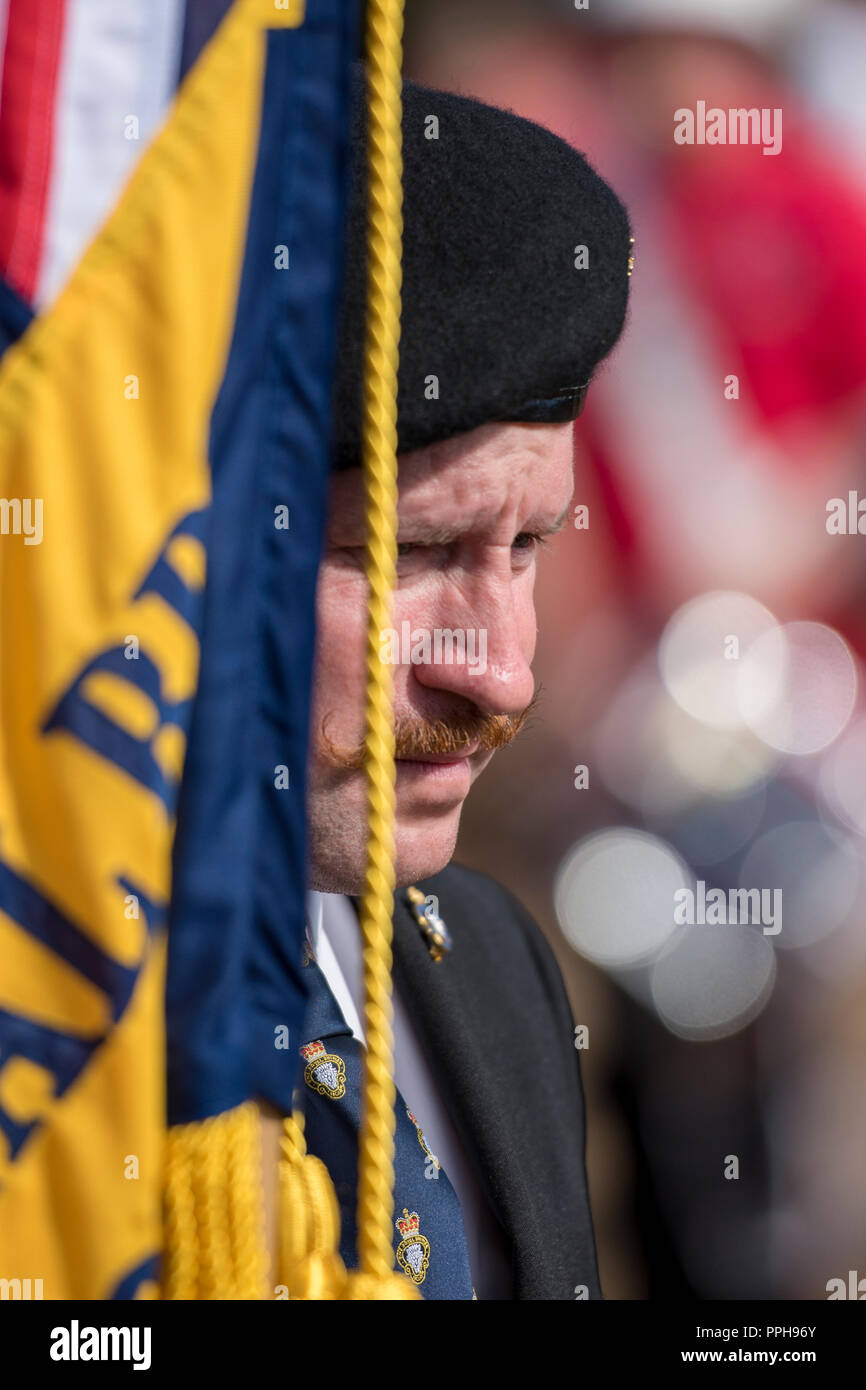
(315, 905)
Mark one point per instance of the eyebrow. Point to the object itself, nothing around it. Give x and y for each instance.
(446, 535)
(559, 522)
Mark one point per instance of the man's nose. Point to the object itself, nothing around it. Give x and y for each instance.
(480, 653)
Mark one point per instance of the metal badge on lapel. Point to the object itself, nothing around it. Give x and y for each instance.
(325, 1072)
(422, 1141)
(413, 1252)
(425, 910)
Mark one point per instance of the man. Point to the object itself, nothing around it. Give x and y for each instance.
(515, 266)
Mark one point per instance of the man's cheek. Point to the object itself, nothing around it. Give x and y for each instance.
(338, 683)
(527, 624)
(341, 616)
(422, 601)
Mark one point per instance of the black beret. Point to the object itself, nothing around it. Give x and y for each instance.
(494, 211)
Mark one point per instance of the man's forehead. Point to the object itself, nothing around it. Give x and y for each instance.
(474, 478)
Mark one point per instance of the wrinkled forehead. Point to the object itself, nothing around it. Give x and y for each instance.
(498, 470)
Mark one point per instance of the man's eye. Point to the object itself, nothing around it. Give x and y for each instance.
(527, 540)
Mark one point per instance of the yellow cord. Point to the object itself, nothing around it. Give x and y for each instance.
(384, 243)
(310, 1267)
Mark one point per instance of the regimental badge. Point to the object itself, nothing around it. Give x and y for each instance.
(421, 1140)
(325, 1072)
(631, 257)
(307, 957)
(433, 929)
(413, 1252)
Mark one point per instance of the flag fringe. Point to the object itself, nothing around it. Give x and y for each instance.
(215, 1232)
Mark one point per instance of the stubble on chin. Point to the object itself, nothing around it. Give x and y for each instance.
(337, 842)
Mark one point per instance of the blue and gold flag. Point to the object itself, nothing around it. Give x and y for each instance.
(164, 450)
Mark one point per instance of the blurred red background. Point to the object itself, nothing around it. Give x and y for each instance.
(701, 641)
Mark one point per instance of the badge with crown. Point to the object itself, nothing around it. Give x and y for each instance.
(325, 1072)
(413, 1252)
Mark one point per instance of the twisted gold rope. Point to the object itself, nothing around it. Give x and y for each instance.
(384, 33)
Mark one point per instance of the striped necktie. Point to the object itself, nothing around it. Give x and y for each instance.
(429, 1238)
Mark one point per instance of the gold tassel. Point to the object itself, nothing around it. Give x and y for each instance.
(216, 1241)
(309, 1265)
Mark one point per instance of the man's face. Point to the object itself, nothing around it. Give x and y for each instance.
(473, 512)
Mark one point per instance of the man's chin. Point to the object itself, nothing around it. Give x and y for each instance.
(411, 868)
(420, 853)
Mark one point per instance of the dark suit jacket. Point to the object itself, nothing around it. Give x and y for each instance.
(496, 1021)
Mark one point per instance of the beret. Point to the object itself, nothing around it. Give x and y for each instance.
(503, 317)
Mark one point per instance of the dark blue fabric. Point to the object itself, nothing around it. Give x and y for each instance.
(240, 854)
(144, 1272)
(422, 1190)
(15, 315)
(200, 22)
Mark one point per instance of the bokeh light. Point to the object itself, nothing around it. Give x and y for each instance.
(713, 761)
(659, 760)
(614, 896)
(843, 777)
(797, 687)
(817, 873)
(712, 981)
(701, 650)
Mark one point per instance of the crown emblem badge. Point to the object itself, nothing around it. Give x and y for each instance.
(325, 1072)
(421, 1140)
(413, 1252)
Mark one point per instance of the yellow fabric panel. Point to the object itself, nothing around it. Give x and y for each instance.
(26, 1088)
(105, 410)
(37, 982)
(69, 1214)
(187, 558)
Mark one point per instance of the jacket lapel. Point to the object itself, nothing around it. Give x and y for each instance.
(499, 1046)
(451, 1007)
